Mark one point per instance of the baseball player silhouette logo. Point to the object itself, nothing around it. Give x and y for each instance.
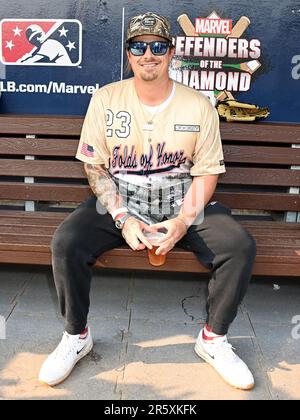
(41, 42)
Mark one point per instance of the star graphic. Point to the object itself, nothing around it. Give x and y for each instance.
(9, 44)
(71, 46)
(63, 31)
(17, 31)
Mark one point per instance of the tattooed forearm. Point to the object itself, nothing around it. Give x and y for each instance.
(103, 186)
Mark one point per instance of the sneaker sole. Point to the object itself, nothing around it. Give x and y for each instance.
(202, 355)
(81, 356)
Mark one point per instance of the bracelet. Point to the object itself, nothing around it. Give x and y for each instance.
(121, 210)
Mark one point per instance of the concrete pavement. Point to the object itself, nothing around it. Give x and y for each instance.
(144, 327)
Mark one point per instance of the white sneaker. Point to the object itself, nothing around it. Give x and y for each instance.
(61, 362)
(220, 355)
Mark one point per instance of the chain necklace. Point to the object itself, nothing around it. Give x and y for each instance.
(149, 126)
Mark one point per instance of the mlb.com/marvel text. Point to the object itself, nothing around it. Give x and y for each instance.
(47, 88)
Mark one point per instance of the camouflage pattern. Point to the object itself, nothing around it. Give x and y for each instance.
(149, 24)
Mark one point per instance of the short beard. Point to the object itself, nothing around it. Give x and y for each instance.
(149, 77)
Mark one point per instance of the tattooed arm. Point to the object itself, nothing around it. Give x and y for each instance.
(107, 193)
(103, 187)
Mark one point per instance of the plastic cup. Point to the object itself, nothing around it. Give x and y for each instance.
(154, 238)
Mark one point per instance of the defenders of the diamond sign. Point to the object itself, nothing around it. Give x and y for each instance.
(214, 56)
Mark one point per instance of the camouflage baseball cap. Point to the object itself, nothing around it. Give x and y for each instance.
(149, 24)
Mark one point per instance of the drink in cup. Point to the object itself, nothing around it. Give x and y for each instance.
(154, 238)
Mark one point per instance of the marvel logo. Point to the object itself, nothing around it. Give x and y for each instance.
(211, 26)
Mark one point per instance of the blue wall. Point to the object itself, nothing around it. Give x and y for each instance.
(276, 24)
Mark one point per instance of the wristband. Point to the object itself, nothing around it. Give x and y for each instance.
(121, 210)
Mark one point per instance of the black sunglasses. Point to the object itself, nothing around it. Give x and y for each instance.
(139, 48)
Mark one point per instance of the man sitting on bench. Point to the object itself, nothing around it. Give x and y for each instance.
(141, 137)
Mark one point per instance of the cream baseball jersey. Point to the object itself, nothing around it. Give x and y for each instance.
(152, 150)
(184, 137)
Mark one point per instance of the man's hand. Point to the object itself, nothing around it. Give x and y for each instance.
(132, 232)
(176, 230)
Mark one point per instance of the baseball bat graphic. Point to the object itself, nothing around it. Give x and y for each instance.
(189, 30)
(239, 28)
(237, 31)
(187, 26)
(248, 66)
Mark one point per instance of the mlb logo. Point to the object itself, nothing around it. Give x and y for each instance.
(44, 42)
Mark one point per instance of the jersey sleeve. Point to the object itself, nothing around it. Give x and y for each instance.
(208, 155)
(92, 146)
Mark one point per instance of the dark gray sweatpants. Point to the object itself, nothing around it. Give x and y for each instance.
(220, 243)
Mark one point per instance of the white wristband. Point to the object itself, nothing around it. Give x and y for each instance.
(119, 211)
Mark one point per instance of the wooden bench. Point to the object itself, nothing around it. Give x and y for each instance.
(39, 172)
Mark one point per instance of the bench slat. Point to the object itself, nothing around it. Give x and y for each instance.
(48, 226)
(31, 218)
(44, 168)
(267, 225)
(25, 239)
(6, 221)
(264, 252)
(177, 253)
(16, 214)
(35, 236)
(262, 265)
(41, 125)
(44, 192)
(262, 155)
(20, 216)
(38, 147)
(259, 201)
(53, 219)
(75, 170)
(71, 126)
(277, 238)
(261, 132)
(79, 193)
(233, 153)
(261, 176)
(275, 233)
(25, 257)
(41, 230)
